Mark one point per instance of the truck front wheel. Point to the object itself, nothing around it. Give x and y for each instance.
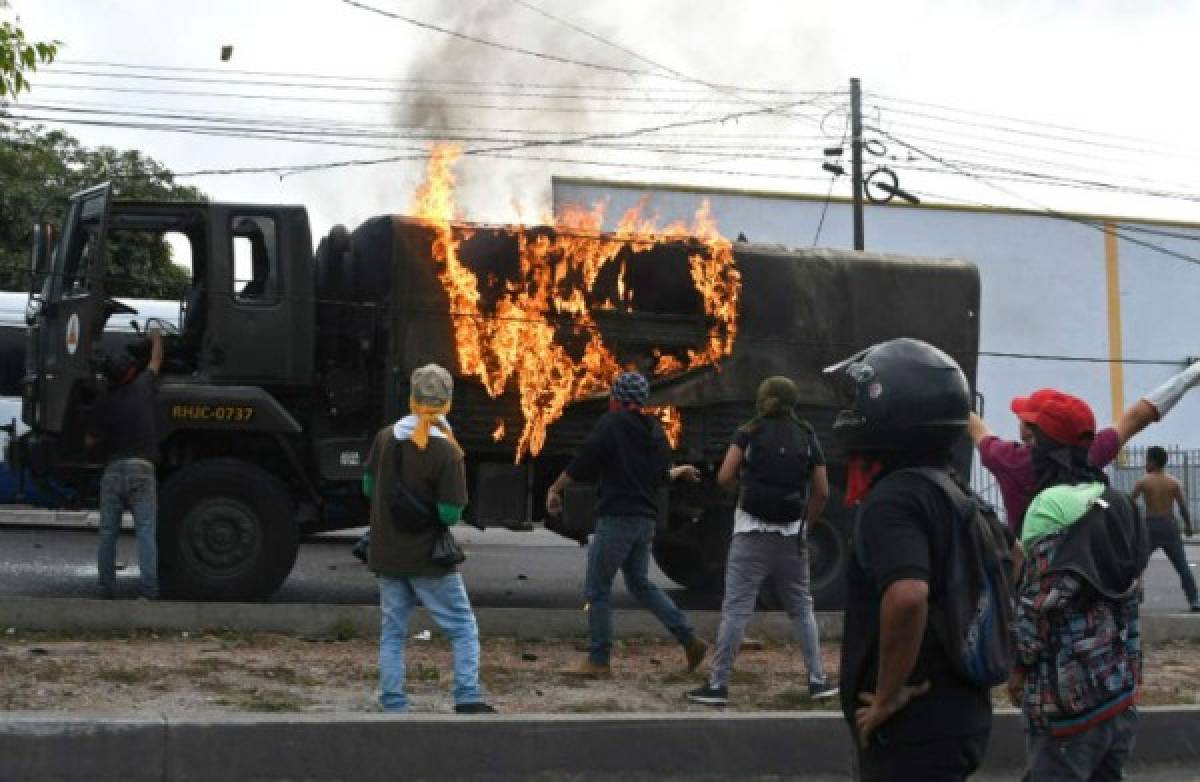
(227, 531)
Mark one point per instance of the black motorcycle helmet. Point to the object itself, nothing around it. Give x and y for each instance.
(909, 397)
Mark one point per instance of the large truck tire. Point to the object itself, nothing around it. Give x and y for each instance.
(227, 531)
(692, 553)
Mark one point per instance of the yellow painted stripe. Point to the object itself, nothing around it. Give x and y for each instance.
(1116, 370)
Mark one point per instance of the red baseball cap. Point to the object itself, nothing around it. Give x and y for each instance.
(1063, 418)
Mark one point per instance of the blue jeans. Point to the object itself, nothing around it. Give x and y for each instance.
(623, 543)
(445, 598)
(1096, 755)
(128, 484)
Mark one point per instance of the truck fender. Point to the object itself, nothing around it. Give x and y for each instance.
(230, 408)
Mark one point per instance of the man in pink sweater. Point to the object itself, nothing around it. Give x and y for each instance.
(1011, 463)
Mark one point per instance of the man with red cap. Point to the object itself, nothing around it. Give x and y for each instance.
(1057, 413)
(1077, 631)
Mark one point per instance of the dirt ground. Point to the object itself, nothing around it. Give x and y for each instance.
(219, 672)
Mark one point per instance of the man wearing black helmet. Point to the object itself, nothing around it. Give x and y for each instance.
(911, 715)
(123, 427)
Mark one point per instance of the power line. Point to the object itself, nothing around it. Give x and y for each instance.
(515, 146)
(545, 92)
(1045, 210)
(391, 81)
(440, 104)
(1019, 120)
(497, 44)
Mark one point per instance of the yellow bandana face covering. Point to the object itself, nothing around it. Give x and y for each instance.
(429, 416)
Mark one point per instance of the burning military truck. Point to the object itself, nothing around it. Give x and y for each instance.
(287, 361)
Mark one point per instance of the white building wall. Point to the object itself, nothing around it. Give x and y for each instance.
(1045, 287)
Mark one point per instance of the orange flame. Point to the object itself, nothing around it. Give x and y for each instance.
(671, 420)
(498, 432)
(516, 344)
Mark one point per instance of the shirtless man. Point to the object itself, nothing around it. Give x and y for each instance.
(1161, 492)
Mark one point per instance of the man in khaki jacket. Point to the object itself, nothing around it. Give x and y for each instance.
(417, 483)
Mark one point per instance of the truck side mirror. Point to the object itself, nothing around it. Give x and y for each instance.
(43, 240)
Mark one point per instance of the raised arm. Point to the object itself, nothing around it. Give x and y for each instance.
(1156, 404)
(978, 429)
(1135, 419)
(156, 351)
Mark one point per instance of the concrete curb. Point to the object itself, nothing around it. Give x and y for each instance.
(362, 747)
(57, 614)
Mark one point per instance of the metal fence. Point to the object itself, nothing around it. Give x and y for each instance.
(1130, 465)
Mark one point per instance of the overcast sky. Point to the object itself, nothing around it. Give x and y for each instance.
(1105, 80)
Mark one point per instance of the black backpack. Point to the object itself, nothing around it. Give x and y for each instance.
(973, 617)
(775, 475)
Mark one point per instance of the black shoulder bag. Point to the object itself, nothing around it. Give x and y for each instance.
(414, 516)
(409, 513)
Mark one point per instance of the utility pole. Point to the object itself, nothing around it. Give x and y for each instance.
(856, 146)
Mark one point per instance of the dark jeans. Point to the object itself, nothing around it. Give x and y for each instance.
(623, 543)
(1096, 755)
(1164, 534)
(128, 484)
(940, 760)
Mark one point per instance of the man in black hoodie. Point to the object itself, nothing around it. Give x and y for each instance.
(627, 451)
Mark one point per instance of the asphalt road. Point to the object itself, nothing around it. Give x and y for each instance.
(504, 569)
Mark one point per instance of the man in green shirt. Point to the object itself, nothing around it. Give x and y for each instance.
(417, 484)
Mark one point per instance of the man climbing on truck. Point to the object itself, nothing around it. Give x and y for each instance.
(123, 425)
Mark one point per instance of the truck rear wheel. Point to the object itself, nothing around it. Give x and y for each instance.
(226, 532)
(692, 553)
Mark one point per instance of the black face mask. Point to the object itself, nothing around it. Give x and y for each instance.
(1055, 464)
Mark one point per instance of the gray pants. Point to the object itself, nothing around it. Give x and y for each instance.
(753, 557)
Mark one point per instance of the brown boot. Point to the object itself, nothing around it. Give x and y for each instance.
(589, 670)
(695, 650)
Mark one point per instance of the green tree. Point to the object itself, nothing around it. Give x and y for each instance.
(40, 169)
(19, 56)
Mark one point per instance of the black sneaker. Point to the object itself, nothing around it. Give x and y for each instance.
(473, 708)
(822, 690)
(713, 696)
(1195, 606)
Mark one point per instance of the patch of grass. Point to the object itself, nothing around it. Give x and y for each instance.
(795, 700)
(40, 670)
(424, 673)
(139, 675)
(205, 666)
(681, 677)
(746, 677)
(259, 700)
(286, 675)
(344, 630)
(594, 707)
